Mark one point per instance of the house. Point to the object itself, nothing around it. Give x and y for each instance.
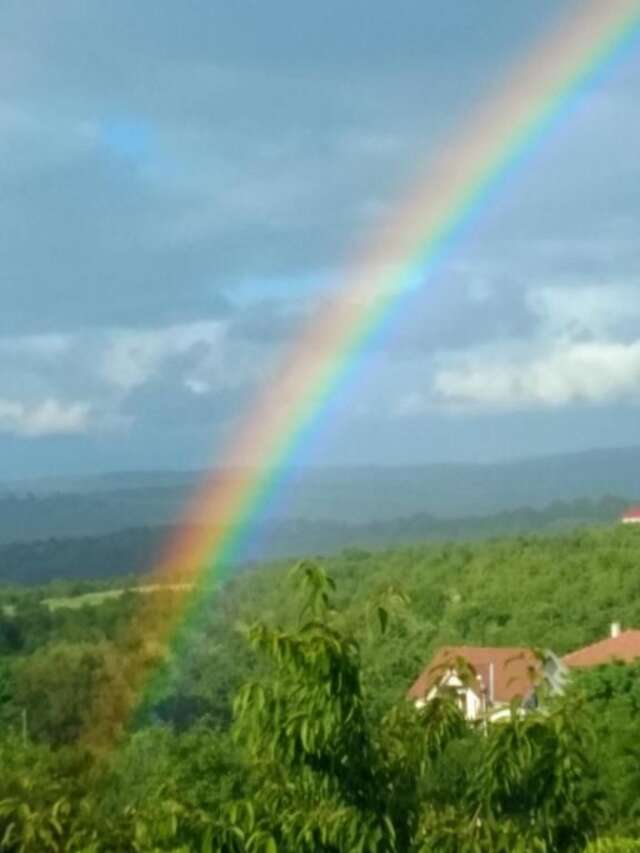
(486, 679)
(620, 645)
(631, 515)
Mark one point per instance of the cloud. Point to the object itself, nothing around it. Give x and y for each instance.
(166, 173)
(586, 311)
(131, 357)
(168, 377)
(597, 372)
(462, 307)
(149, 203)
(48, 417)
(500, 347)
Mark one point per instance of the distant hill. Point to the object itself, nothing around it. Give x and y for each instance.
(106, 503)
(97, 483)
(135, 551)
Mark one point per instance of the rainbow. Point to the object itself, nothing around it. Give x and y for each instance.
(406, 250)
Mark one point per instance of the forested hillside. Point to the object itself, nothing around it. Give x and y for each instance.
(134, 551)
(323, 752)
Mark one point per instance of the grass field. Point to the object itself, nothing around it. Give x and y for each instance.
(91, 599)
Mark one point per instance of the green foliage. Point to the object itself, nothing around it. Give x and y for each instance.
(327, 779)
(611, 696)
(325, 753)
(58, 688)
(537, 773)
(37, 787)
(614, 845)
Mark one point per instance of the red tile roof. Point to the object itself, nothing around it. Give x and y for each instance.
(514, 670)
(632, 512)
(625, 647)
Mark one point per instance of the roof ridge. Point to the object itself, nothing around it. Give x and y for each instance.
(612, 643)
(625, 631)
(486, 648)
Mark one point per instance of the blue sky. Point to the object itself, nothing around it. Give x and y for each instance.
(182, 185)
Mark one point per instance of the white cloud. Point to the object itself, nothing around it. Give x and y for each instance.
(108, 371)
(131, 357)
(99, 373)
(584, 348)
(48, 417)
(593, 372)
(599, 311)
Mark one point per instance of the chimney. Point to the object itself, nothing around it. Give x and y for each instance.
(615, 630)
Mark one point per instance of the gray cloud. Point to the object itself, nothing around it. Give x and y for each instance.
(264, 141)
(161, 168)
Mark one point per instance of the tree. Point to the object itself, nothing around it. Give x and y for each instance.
(326, 779)
(61, 686)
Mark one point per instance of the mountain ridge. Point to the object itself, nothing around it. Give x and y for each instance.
(354, 495)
